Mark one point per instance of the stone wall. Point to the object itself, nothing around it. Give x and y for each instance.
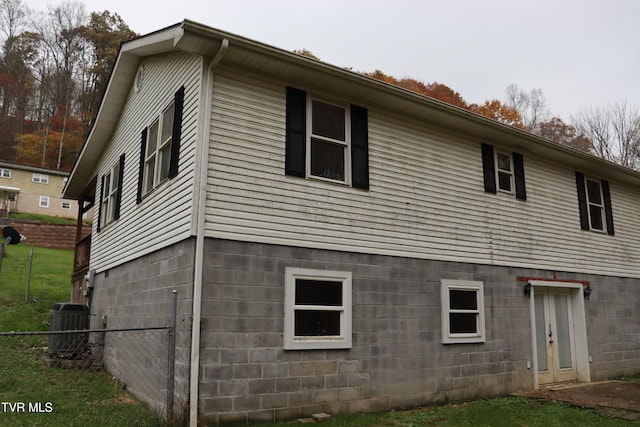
(46, 235)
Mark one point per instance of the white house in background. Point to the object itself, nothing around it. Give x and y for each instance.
(339, 244)
(28, 189)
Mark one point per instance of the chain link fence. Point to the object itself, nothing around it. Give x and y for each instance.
(79, 376)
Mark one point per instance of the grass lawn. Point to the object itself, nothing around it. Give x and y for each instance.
(58, 397)
(46, 219)
(496, 412)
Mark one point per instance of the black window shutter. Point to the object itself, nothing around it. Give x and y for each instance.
(359, 147)
(177, 132)
(608, 212)
(518, 171)
(143, 153)
(582, 201)
(116, 212)
(296, 136)
(488, 169)
(101, 200)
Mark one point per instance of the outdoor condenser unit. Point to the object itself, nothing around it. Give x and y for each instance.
(68, 317)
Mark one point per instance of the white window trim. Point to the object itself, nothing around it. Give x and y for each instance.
(467, 285)
(312, 343)
(40, 178)
(162, 147)
(346, 143)
(65, 205)
(590, 203)
(510, 172)
(108, 208)
(44, 199)
(5, 173)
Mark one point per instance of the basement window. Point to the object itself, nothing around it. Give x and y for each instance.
(317, 309)
(462, 311)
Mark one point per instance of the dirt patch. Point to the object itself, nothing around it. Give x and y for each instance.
(619, 398)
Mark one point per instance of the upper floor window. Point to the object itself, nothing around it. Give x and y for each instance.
(503, 172)
(594, 202)
(462, 311)
(328, 145)
(317, 309)
(40, 178)
(326, 140)
(111, 193)
(160, 147)
(5, 173)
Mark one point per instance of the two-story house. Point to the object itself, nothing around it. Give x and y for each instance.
(30, 189)
(339, 244)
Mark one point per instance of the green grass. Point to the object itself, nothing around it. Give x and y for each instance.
(46, 219)
(632, 378)
(50, 283)
(496, 412)
(72, 397)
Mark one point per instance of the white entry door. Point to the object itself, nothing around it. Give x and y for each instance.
(555, 341)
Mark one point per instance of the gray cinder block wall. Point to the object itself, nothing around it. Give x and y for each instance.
(138, 294)
(397, 358)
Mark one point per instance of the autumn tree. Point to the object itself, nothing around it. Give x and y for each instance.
(54, 68)
(307, 53)
(105, 32)
(614, 131)
(498, 111)
(445, 94)
(562, 133)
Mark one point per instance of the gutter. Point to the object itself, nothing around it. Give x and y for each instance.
(194, 379)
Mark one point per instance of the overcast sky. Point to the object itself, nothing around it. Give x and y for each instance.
(581, 53)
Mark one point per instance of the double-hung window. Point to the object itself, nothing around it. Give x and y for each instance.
(326, 140)
(111, 193)
(594, 201)
(160, 147)
(5, 173)
(40, 178)
(44, 202)
(503, 172)
(328, 147)
(317, 309)
(462, 311)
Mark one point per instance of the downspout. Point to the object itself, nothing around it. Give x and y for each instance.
(200, 227)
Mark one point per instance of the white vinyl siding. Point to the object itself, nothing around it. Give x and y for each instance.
(163, 217)
(426, 197)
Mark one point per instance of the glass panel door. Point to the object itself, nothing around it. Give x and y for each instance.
(554, 335)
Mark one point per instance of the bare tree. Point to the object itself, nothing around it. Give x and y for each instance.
(63, 38)
(614, 131)
(13, 17)
(532, 106)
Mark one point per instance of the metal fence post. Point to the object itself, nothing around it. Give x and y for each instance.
(171, 359)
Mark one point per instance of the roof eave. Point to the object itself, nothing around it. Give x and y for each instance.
(189, 36)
